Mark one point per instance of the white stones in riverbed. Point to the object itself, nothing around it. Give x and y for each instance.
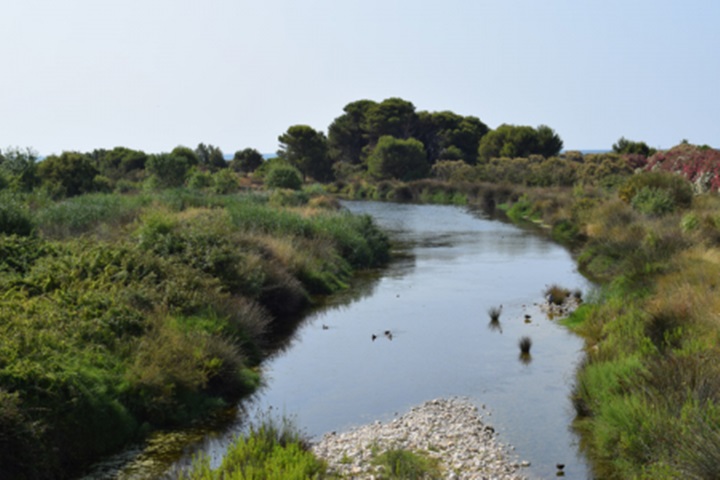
(449, 429)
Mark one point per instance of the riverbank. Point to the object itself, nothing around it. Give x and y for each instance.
(451, 430)
(125, 314)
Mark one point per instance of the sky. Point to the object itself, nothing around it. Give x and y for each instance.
(154, 74)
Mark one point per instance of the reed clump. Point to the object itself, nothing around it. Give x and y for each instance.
(525, 344)
(494, 313)
(272, 449)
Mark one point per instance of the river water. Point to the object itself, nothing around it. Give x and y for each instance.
(433, 299)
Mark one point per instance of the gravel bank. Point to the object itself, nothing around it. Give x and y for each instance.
(449, 429)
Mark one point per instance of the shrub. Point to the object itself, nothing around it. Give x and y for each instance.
(169, 169)
(401, 464)
(284, 176)
(199, 179)
(398, 158)
(224, 181)
(556, 294)
(653, 201)
(677, 188)
(69, 174)
(269, 451)
(699, 165)
(15, 217)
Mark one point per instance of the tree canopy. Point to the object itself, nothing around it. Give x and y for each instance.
(68, 174)
(625, 146)
(346, 134)
(247, 160)
(306, 149)
(519, 141)
(210, 157)
(403, 159)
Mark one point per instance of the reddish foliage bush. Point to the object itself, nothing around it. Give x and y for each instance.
(700, 165)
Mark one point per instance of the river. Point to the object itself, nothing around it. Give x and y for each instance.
(433, 300)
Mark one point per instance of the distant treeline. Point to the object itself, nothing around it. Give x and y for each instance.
(387, 140)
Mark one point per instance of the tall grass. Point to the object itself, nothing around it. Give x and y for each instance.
(81, 214)
(402, 464)
(273, 450)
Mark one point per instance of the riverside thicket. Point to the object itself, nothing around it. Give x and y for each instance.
(123, 313)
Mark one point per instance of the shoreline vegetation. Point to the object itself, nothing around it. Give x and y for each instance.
(153, 311)
(141, 290)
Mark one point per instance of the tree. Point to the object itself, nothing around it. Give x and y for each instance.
(625, 146)
(19, 167)
(210, 157)
(305, 148)
(347, 136)
(191, 158)
(119, 162)
(404, 159)
(169, 169)
(449, 136)
(512, 141)
(246, 160)
(549, 143)
(282, 175)
(67, 175)
(393, 116)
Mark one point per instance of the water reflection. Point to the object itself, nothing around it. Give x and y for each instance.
(494, 325)
(525, 358)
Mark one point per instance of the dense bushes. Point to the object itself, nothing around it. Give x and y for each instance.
(157, 313)
(666, 190)
(15, 217)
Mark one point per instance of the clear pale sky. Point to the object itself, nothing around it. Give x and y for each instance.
(154, 74)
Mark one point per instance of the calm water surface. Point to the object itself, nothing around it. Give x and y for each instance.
(434, 300)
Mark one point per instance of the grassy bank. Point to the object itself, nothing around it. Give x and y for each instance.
(647, 396)
(121, 314)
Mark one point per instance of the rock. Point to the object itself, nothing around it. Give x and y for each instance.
(448, 429)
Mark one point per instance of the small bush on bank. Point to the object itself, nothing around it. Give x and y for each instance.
(556, 295)
(677, 190)
(653, 201)
(283, 176)
(402, 464)
(272, 451)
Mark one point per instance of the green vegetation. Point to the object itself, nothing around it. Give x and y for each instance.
(397, 158)
(525, 343)
(124, 313)
(511, 141)
(647, 395)
(494, 313)
(152, 306)
(401, 464)
(282, 175)
(306, 149)
(270, 451)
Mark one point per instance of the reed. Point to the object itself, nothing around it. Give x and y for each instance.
(494, 313)
(525, 343)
